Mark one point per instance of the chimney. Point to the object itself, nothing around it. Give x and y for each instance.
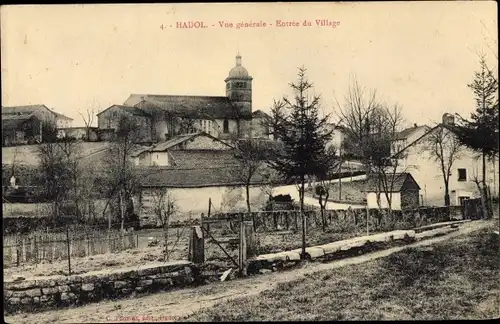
(448, 119)
(415, 125)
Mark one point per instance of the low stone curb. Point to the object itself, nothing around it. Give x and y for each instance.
(350, 247)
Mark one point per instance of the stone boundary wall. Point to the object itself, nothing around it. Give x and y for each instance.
(378, 220)
(56, 292)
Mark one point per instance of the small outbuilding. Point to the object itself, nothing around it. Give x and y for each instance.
(401, 188)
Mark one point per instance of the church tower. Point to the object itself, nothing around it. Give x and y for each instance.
(239, 88)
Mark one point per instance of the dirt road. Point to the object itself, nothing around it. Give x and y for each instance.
(171, 306)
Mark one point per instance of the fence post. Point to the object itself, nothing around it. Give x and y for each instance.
(87, 252)
(242, 249)
(24, 248)
(367, 220)
(18, 252)
(69, 252)
(36, 249)
(250, 241)
(196, 245)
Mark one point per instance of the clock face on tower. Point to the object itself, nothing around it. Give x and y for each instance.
(240, 84)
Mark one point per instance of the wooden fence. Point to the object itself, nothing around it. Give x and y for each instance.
(51, 246)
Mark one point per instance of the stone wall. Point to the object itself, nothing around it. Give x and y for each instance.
(57, 292)
(340, 220)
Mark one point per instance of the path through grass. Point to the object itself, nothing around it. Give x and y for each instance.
(455, 279)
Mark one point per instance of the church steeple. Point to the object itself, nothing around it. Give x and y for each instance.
(239, 87)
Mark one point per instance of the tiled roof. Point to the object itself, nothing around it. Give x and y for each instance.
(218, 107)
(28, 109)
(398, 180)
(161, 147)
(58, 115)
(259, 114)
(171, 143)
(404, 134)
(194, 177)
(430, 130)
(130, 109)
(203, 158)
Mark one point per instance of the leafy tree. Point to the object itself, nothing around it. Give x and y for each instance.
(304, 137)
(480, 131)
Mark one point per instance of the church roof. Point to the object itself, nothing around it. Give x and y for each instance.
(259, 114)
(238, 71)
(218, 107)
(130, 109)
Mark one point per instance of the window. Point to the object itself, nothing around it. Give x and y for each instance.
(226, 126)
(462, 174)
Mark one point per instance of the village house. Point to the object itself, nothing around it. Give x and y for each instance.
(172, 152)
(192, 177)
(63, 121)
(407, 136)
(40, 111)
(24, 124)
(401, 188)
(171, 115)
(18, 130)
(109, 119)
(417, 159)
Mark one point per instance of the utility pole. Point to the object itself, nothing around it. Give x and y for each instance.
(340, 171)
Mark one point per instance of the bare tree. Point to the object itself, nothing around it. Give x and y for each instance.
(88, 118)
(54, 174)
(165, 207)
(387, 122)
(251, 155)
(120, 172)
(371, 126)
(71, 157)
(356, 115)
(270, 179)
(185, 126)
(444, 148)
(324, 187)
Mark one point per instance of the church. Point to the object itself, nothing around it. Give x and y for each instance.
(162, 117)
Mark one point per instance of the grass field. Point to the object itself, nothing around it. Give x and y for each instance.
(455, 279)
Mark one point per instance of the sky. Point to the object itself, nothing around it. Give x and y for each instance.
(420, 55)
